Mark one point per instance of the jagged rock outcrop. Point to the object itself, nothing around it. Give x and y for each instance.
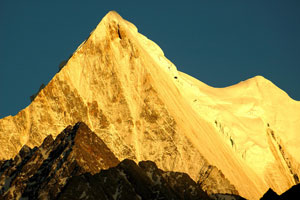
(41, 173)
(131, 181)
(32, 97)
(213, 181)
(120, 84)
(270, 194)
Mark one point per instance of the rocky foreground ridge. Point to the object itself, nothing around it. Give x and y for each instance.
(243, 138)
(78, 165)
(43, 171)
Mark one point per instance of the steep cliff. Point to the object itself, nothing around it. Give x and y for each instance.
(120, 84)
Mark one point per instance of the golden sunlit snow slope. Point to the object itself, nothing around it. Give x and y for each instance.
(258, 121)
(237, 139)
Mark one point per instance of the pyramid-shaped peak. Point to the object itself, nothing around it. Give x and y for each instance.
(112, 26)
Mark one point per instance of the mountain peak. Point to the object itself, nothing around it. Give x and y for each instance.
(112, 21)
(263, 86)
(259, 79)
(112, 15)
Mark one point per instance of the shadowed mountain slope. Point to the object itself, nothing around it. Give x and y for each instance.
(131, 181)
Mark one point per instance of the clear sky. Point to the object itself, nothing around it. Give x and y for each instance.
(218, 42)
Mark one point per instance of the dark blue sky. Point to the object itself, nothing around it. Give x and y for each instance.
(218, 42)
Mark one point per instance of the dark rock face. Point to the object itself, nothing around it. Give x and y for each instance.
(270, 194)
(43, 172)
(131, 181)
(292, 194)
(32, 97)
(226, 197)
(213, 181)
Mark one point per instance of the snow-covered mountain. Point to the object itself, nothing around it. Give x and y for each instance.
(240, 139)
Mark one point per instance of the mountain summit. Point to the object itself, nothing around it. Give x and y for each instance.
(240, 139)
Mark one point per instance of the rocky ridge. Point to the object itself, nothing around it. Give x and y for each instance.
(42, 172)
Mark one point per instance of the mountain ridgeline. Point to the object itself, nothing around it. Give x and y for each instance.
(221, 142)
